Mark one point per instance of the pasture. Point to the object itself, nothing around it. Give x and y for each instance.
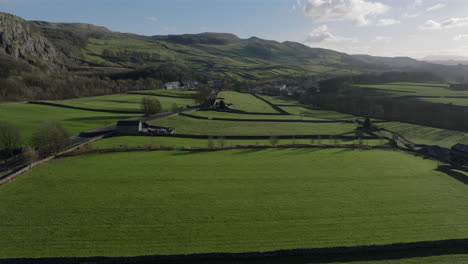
(187, 125)
(414, 89)
(245, 102)
(172, 202)
(26, 117)
(427, 135)
(164, 92)
(126, 102)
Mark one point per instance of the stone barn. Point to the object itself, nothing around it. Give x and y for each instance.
(133, 127)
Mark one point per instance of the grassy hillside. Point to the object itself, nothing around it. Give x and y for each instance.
(227, 54)
(156, 203)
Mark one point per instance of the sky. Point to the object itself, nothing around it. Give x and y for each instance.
(415, 28)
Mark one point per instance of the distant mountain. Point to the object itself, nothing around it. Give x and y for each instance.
(90, 48)
(447, 60)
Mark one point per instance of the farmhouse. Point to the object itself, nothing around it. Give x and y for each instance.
(172, 86)
(132, 127)
(459, 154)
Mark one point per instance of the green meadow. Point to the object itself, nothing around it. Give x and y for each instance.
(171, 202)
(427, 135)
(246, 102)
(26, 117)
(164, 92)
(188, 125)
(125, 102)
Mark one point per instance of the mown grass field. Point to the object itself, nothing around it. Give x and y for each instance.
(427, 135)
(179, 93)
(230, 201)
(26, 117)
(246, 102)
(187, 125)
(137, 141)
(454, 101)
(126, 102)
(446, 259)
(296, 112)
(415, 89)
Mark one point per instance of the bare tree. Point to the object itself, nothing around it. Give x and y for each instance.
(49, 138)
(9, 138)
(150, 105)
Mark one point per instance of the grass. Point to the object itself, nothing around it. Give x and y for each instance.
(129, 141)
(214, 114)
(427, 135)
(415, 89)
(280, 100)
(454, 101)
(187, 125)
(246, 102)
(130, 102)
(26, 117)
(447, 259)
(179, 93)
(142, 203)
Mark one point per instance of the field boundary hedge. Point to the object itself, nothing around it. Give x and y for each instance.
(277, 108)
(270, 136)
(83, 108)
(204, 149)
(267, 120)
(301, 255)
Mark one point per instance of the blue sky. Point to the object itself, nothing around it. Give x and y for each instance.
(414, 28)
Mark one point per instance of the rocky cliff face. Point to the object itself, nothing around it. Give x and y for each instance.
(18, 40)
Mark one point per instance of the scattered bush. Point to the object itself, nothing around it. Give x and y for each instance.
(50, 138)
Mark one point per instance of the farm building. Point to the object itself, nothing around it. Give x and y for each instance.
(459, 154)
(133, 127)
(172, 86)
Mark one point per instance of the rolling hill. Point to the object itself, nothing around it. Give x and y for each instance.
(84, 48)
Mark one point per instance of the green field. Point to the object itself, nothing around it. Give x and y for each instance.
(246, 102)
(127, 102)
(447, 259)
(454, 101)
(179, 93)
(187, 125)
(414, 89)
(427, 135)
(230, 201)
(26, 117)
(137, 141)
(280, 100)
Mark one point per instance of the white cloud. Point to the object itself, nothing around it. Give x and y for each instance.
(356, 11)
(461, 37)
(296, 5)
(417, 3)
(383, 38)
(322, 34)
(152, 19)
(435, 7)
(449, 23)
(387, 22)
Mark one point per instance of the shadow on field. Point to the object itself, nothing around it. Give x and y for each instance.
(95, 118)
(295, 256)
(450, 171)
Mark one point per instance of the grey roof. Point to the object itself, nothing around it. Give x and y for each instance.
(129, 123)
(461, 147)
